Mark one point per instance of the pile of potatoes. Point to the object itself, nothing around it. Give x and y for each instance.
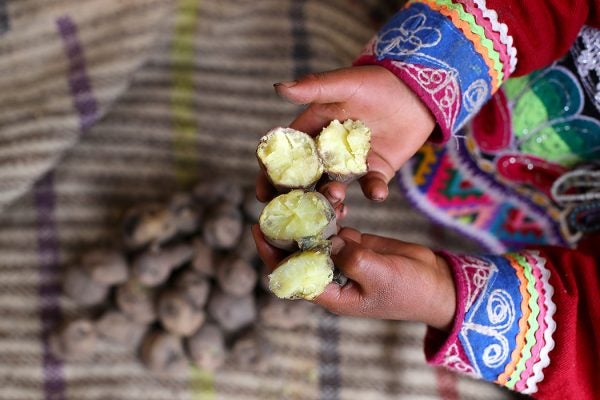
(184, 285)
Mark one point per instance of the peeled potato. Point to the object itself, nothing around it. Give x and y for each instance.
(303, 275)
(343, 149)
(298, 219)
(289, 159)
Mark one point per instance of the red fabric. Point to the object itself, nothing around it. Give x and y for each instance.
(575, 359)
(574, 368)
(544, 30)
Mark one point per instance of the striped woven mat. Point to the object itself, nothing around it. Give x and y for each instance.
(105, 103)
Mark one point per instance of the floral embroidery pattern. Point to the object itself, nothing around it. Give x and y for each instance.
(427, 43)
(475, 33)
(412, 36)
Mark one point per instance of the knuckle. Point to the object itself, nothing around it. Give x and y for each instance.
(325, 110)
(423, 253)
(318, 81)
(355, 258)
(315, 78)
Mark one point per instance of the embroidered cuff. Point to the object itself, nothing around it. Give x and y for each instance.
(453, 56)
(504, 324)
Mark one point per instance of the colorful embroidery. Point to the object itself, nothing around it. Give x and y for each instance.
(499, 29)
(474, 32)
(586, 52)
(508, 319)
(440, 182)
(533, 131)
(491, 323)
(492, 34)
(429, 42)
(544, 341)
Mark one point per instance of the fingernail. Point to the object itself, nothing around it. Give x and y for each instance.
(340, 209)
(337, 244)
(378, 196)
(286, 84)
(333, 199)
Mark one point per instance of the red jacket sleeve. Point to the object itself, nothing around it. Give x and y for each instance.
(529, 321)
(456, 54)
(543, 31)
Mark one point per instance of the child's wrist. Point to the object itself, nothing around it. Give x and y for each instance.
(444, 308)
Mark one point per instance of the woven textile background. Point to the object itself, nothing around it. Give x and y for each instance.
(105, 103)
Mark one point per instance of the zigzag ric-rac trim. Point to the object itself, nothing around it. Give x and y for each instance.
(474, 32)
(502, 29)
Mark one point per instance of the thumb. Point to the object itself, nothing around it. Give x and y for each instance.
(355, 261)
(324, 87)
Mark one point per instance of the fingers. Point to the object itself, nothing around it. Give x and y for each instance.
(375, 183)
(388, 246)
(316, 116)
(270, 255)
(385, 245)
(264, 190)
(340, 212)
(343, 300)
(349, 233)
(325, 92)
(335, 192)
(326, 87)
(374, 186)
(365, 270)
(354, 260)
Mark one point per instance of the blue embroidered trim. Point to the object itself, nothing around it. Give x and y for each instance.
(492, 322)
(421, 36)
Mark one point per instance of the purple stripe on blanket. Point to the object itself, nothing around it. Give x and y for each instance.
(79, 82)
(49, 288)
(45, 203)
(301, 50)
(4, 21)
(329, 358)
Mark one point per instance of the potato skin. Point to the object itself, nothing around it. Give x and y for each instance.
(345, 178)
(280, 188)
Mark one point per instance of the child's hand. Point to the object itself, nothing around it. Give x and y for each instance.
(399, 121)
(388, 279)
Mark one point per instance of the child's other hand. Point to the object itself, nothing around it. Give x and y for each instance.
(387, 279)
(399, 121)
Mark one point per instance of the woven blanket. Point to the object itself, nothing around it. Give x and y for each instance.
(108, 103)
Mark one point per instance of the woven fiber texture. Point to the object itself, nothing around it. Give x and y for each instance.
(106, 103)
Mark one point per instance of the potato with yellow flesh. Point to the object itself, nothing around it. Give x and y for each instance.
(297, 219)
(343, 149)
(289, 159)
(303, 275)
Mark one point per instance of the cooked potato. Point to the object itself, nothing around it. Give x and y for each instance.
(289, 159)
(343, 149)
(303, 275)
(298, 219)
